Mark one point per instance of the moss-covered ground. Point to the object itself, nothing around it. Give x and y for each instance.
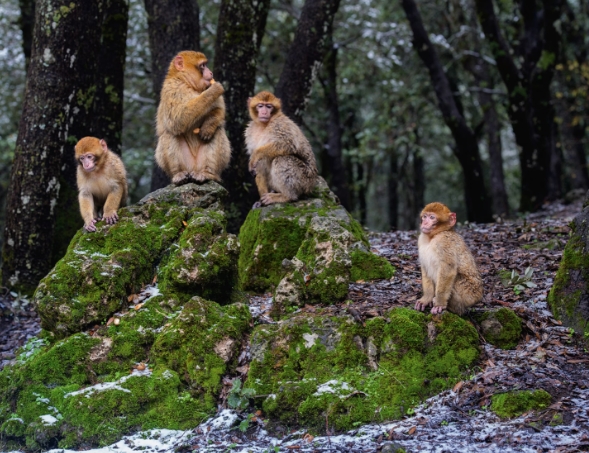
(89, 390)
(317, 370)
(514, 404)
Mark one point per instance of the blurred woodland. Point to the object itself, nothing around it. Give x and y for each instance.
(480, 104)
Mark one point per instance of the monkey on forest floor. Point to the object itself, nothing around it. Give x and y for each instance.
(102, 182)
(281, 158)
(449, 274)
(192, 144)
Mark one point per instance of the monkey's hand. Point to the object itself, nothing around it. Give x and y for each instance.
(422, 304)
(111, 218)
(207, 131)
(252, 166)
(90, 227)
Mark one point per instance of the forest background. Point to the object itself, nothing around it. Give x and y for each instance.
(479, 104)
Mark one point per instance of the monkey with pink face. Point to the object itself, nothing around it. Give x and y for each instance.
(449, 274)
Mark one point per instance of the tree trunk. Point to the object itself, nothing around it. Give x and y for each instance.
(393, 191)
(305, 55)
(530, 109)
(58, 110)
(173, 26)
(108, 123)
(569, 296)
(481, 72)
(478, 206)
(239, 34)
(338, 180)
(27, 23)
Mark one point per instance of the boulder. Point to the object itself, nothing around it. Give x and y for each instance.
(175, 235)
(316, 367)
(306, 252)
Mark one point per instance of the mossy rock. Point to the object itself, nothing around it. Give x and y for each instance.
(502, 328)
(307, 251)
(316, 367)
(569, 296)
(514, 404)
(173, 228)
(87, 390)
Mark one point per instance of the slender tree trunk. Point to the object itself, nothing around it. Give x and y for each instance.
(58, 110)
(239, 34)
(337, 170)
(419, 183)
(305, 56)
(27, 23)
(478, 206)
(393, 191)
(173, 26)
(530, 108)
(492, 125)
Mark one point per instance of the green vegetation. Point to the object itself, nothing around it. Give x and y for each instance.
(514, 404)
(502, 328)
(316, 367)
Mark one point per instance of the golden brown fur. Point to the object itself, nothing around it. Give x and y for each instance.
(192, 143)
(449, 274)
(102, 182)
(281, 158)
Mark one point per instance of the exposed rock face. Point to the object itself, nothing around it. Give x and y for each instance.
(176, 233)
(307, 251)
(569, 296)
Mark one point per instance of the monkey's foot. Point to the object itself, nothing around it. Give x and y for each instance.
(437, 310)
(181, 178)
(204, 176)
(90, 227)
(271, 198)
(421, 306)
(111, 219)
(257, 204)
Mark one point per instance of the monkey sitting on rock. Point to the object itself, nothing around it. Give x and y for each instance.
(281, 158)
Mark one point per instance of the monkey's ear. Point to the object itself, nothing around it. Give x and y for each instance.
(452, 219)
(179, 62)
(103, 144)
(248, 101)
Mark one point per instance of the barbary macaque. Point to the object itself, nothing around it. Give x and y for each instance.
(281, 158)
(449, 274)
(102, 182)
(190, 125)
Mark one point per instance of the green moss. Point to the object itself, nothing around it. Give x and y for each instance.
(502, 328)
(570, 282)
(368, 266)
(316, 368)
(514, 404)
(265, 242)
(307, 251)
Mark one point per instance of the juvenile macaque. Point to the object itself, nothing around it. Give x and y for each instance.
(281, 158)
(449, 274)
(192, 144)
(102, 182)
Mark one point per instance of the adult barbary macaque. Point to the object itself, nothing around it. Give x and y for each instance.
(449, 274)
(192, 143)
(102, 182)
(281, 158)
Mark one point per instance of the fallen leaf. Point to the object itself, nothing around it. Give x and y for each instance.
(458, 386)
(412, 430)
(138, 306)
